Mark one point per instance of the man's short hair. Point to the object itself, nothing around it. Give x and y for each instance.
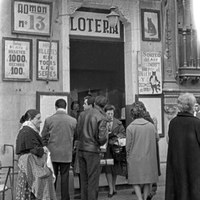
(101, 101)
(90, 100)
(61, 103)
(109, 107)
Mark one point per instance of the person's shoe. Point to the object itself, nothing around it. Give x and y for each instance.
(115, 192)
(110, 195)
(149, 197)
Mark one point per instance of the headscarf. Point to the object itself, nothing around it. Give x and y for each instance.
(25, 119)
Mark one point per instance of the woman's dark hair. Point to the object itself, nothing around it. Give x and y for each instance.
(109, 107)
(73, 103)
(138, 110)
(29, 115)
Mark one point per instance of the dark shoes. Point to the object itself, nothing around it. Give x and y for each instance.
(111, 195)
(149, 197)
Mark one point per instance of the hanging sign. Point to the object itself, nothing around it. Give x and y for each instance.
(31, 17)
(149, 73)
(17, 59)
(92, 24)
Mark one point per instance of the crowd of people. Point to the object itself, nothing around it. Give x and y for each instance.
(88, 137)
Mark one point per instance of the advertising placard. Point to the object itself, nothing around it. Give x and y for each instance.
(149, 73)
(47, 60)
(93, 24)
(31, 17)
(17, 59)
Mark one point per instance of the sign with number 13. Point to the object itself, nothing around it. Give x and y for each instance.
(32, 17)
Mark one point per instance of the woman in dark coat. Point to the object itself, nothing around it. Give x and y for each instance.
(116, 131)
(183, 159)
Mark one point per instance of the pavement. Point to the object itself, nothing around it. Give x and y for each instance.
(124, 191)
(126, 194)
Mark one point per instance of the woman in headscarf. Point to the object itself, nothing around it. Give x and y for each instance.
(35, 177)
(141, 152)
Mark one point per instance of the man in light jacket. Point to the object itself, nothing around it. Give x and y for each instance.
(58, 134)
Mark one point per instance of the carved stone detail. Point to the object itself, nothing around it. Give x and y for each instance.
(122, 7)
(73, 6)
(169, 41)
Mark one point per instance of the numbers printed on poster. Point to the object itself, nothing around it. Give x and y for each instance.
(17, 58)
(40, 25)
(15, 70)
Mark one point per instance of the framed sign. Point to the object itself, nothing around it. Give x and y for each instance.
(150, 25)
(150, 73)
(45, 103)
(31, 17)
(154, 105)
(17, 55)
(47, 60)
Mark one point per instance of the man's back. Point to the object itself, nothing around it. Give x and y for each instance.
(92, 129)
(61, 128)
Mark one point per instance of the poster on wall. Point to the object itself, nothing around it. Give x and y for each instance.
(16, 59)
(149, 73)
(31, 17)
(45, 103)
(152, 102)
(47, 60)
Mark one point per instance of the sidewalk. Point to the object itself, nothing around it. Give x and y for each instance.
(124, 191)
(126, 194)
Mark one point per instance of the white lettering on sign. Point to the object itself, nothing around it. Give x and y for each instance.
(92, 24)
(32, 17)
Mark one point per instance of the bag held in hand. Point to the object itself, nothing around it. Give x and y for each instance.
(118, 152)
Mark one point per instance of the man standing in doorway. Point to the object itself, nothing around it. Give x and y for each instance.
(92, 132)
(58, 134)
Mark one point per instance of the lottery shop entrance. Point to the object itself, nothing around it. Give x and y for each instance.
(98, 67)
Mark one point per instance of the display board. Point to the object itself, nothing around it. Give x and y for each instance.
(45, 103)
(154, 105)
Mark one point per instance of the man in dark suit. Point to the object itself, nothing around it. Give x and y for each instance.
(58, 134)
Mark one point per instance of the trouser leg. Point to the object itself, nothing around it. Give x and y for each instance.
(64, 173)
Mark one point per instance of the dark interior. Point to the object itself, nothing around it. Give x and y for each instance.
(98, 67)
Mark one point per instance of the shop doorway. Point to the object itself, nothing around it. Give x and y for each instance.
(97, 67)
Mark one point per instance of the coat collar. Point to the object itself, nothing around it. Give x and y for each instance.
(116, 123)
(100, 110)
(139, 121)
(61, 110)
(185, 114)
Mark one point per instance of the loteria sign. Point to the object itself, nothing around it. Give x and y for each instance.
(92, 24)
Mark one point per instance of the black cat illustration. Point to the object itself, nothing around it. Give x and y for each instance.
(154, 82)
(151, 29)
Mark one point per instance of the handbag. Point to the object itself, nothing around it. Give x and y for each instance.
(118, 152)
